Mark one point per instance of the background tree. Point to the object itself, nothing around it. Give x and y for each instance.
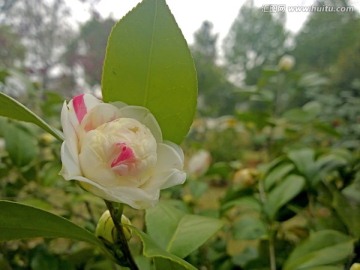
(215, 91)
(12, 52)
(256, 39)
(346, 75)
(87, 50)
(324, 36)
(44, 31)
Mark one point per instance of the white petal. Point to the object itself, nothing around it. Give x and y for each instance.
(168, 157)
(177, 148)
(145, 117)
(169, 169)
(119, 104)
(91, 101)
(165, 179)
(70, 163)
(94, 167)
(135, 197)
(176, 177)
(99, 115)
(69, 131)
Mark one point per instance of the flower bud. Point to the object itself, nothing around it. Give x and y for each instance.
(105, 229)
(355, 266)
(286, 63)
(2, 144)
(245, 178)
(46, 138)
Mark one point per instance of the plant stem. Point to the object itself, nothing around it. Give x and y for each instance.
(271, 228)
(272, 251)
(124, 258)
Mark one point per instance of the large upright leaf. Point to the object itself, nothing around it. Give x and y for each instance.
(11, 108)
(19, 221)
(148, 64)
(177, 232)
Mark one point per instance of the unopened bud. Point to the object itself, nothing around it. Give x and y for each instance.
(245, 178)
(106, 230)
(355, 266)
(2, 144)
(46, 138)
(286, 63)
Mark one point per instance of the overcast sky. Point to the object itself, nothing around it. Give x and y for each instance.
(190, 14)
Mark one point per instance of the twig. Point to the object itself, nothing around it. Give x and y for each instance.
(123, 255)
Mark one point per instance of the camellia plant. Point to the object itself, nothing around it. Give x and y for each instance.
(124, 149)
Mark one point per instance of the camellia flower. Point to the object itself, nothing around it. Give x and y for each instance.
(116, 152)
(199, 163)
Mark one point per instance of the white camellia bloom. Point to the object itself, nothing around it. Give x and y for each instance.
(116, 152)
(199, 163)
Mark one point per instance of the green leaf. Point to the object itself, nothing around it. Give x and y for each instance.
(323, 248)
(338, 267)
(161, 264)
(330, 162)
(277, 174)
(18, 221)
(20, 144)
(249, 228)
(283, 193)
(244, 204)
(148, 64)
(347, 211)
(299, 116)
(177, 232)
(162, 257)
(11, 108)
(304, 160)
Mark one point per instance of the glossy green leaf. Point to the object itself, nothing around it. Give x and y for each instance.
(323, 248)
(151, 249)
(244, 204)
(11, 108)
(283, 193)
(19, 221)
(177, 232)
(20, 144)
(277, 174)
(148, 64)
(304, 160)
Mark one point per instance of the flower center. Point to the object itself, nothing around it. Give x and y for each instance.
(125, 161)
(126, 154)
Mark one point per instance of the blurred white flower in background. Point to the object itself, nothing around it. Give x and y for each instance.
(199, 163)
(286, 62)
